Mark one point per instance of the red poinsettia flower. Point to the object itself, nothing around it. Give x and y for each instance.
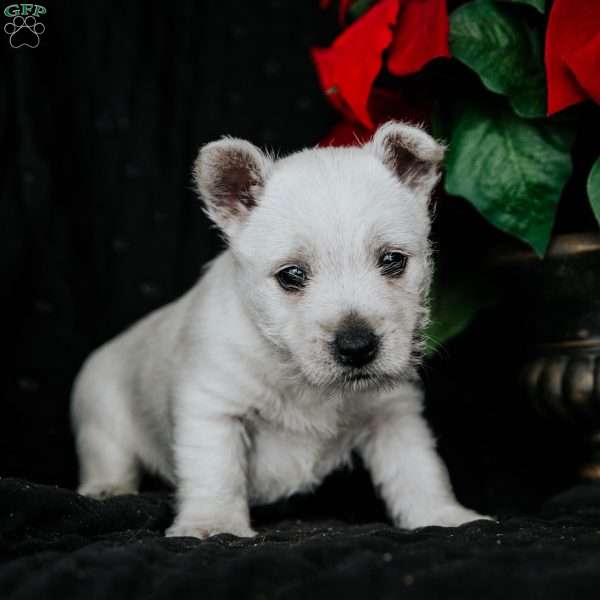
(573, 53)
(413, 31)
(348, 68)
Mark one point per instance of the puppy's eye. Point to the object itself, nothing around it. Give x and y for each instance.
(292, 279)
(392, 264)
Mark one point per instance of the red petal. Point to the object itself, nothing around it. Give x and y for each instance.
(348, 68)
(420, 36)
(383, 106)
(400, 106)
(346, 133)
(585, 65)
(571, 26)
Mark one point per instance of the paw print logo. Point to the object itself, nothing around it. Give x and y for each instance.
(24, 31)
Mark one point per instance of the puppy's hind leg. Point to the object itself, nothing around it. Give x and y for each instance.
(107, 466)
(104, 432)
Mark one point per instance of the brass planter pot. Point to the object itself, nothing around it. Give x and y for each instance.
(559, 323)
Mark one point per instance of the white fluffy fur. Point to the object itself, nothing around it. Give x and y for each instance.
(232, 392)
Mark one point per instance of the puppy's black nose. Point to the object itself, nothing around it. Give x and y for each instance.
(355, 344)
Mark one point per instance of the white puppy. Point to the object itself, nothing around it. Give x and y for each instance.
(297, 346)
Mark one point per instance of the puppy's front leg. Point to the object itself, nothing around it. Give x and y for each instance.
(400, 453)
(210, 456)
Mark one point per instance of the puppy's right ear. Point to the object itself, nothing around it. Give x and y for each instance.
(229, 176)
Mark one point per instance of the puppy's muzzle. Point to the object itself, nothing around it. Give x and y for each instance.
(355, 344)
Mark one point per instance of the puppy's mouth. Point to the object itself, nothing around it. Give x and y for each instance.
(363, 380)
(360, 377)
(359, 380)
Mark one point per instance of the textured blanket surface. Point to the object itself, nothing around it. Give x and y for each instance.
(57, 544)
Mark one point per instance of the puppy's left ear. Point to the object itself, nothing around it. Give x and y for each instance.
(230, 175)
(411, 153)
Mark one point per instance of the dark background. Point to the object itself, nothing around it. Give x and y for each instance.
(99, 126)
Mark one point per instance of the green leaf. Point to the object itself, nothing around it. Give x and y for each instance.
(537, 4)
(513, 171)
(593, 188)
(504, 51)
(454, 304)
(462, 287)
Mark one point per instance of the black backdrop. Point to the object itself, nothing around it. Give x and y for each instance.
(99, 126)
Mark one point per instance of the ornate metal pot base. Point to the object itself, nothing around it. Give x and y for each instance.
(559, 299)
(591, 468)
(564, 383)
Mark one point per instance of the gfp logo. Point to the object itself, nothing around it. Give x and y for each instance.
(24, 29)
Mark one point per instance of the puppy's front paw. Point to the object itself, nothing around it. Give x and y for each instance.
(447, 516)
(203, 531)
(102, 491)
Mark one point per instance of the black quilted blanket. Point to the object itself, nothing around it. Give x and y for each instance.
(56, 544)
